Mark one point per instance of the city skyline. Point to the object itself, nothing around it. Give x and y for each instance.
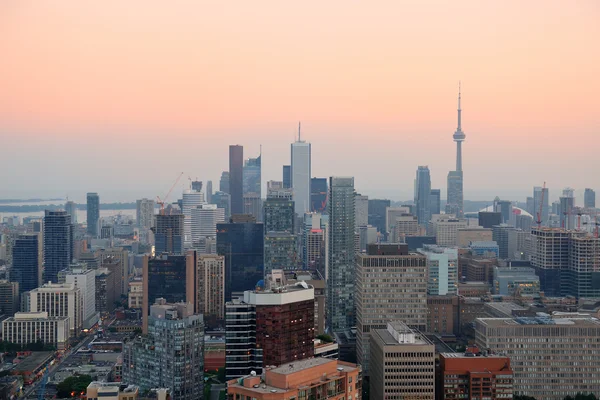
(383, 90)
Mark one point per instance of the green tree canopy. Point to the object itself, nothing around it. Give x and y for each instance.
(73, 386)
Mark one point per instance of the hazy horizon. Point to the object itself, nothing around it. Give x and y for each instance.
(120, 97)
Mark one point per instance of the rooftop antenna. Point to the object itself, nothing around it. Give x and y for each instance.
(299, 124)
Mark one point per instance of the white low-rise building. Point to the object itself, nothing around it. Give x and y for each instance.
(32, 327)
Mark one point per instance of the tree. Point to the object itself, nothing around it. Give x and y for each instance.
(73, 386)
(517, 397)
(325, 338)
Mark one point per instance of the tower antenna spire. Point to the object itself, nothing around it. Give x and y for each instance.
(299, 125)
(459, 110)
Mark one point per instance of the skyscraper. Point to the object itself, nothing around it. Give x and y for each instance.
(455, 178)
(93, 213)
(58, 243)
(537, 199)
(224, 182)
(71, 209)
(377, 213)
(423, 195)
(242, 245)
(340, 254)
(435, 201)
(589, 198)
(205, 218)
(209, 191)
(191, 199)
(280, 252)
(300, 174)
(278, 215)
(144, 213)
(252, 175)
(223, 200)
(27, 262)
(361, 211)
(287, 176)
(236, 178)
(318, 195)
(168, 234)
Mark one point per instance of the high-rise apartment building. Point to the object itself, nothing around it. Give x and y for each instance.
(278, 215)
(589, 198)
(269, 327)
(170, 277)
(423, 194)
(71, 209)
(211, 287)
(281, 252)
(379, 273)
(475, 375)
(58, 243)
(242, 245)
(442, 270)
(340, 254)
(571, 344)
(582, 276)
(361, 211)
(168, 234)
(144, 213)
(300, 174)
(318, 195)
(402, 363)
(236, 178)
(93, 213)
(252, 176)
(59, 300)
(171, 355)
(27, 262)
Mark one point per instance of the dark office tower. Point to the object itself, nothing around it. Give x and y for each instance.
(93, 213)
(223, 200)
(278, 215)
(435, 201)
(168, 234)
(537, 199)
(242, 245)
(589, 198)
(504, 207)
(171, 277)
(422, 195)
(224, 182)
(27, 262)
(58, 243)
(197, 186)
(252, 175)
(340, 254)
(318, 195)
(209, 192)
(500, 234)
(287, 176)
(488, 219)
(377, 212)
(236, 178)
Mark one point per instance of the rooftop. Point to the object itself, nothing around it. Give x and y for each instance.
(301, 365)
(540, 320)
(34, 360)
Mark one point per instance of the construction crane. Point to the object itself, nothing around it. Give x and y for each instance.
(539, 212)
(162, 201)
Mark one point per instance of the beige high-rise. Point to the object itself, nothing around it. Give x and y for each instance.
(391, 285)
(211, 286)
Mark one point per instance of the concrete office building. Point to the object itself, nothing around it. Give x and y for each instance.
(93, 214)
(589, 198)
(516, 281)
(136, 294)
(236, 178)
(169, 234)
(315, 378)
(443, 315)
(518, 245)
(402, 363)
(117, 259)
(379, 274)
(361, 211)
(27, 261)
(32, 327)
(500, 236)
(58, 243)
(422, 195)
(391, 215)
(473, 234)
(253, 205)
(406, 225)
(340, 254)
(269, 327)
(222, 200)
(530, 342)
(475, 375)
(85, 280)
(300, 174)
(366, 235)
(171, 355)
(442, 270)
(112, 391)
(59, 300)
(190, 200)
(205, 218)
(211, 287)
(445, 229)
(144, 213)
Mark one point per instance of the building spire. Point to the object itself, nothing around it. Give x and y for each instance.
(459, 122)
(299, 131)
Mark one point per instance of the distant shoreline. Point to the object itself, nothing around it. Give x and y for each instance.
(11, 201)
(38, 208)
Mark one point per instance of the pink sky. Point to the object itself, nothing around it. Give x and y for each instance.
(110, 86)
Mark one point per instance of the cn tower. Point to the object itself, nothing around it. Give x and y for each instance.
(459, 137)
(455, 178)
